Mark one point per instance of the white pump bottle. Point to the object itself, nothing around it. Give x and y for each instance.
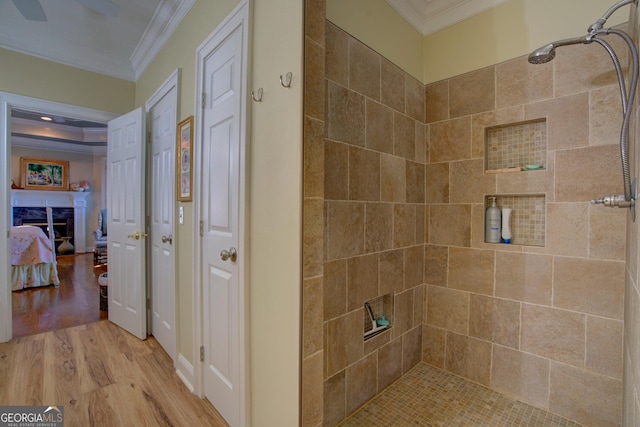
(492, 223)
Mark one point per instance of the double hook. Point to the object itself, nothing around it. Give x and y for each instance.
(284, 81)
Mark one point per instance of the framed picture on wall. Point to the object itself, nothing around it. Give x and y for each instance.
(41, 174)
(184, 157)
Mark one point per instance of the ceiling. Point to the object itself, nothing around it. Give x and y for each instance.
(429, 16)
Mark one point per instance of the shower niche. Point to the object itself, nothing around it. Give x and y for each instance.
(528, 212)
(516, 147)
(378, 315)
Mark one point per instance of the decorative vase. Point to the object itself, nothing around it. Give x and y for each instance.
(65, 248)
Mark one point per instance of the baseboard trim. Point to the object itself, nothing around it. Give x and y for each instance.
(184, 369)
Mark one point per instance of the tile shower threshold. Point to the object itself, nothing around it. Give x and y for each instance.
(429, 396)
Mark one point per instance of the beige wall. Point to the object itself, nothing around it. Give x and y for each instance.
(39, 78)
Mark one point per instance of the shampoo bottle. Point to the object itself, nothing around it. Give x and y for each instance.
(492, 223)
(506, 225)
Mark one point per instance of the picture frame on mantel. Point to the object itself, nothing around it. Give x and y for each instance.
(42, 174)
(184, 157)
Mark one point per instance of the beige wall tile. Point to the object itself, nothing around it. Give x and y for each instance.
(404, 225)
(344, 229)
(364, 174)
(604, 346)
(379, 127)
(346, 118)
(556, 334)
(524, 277)
(421, 142)
(450, 140)
(314, 20)
(413, 266)
(594, 63)
(495, 320)
(411, 349)
(344, 341)
(415, 182)
(421, 224)
(469, 358)
(361, 379)
(469, 183)
(313, 157)
(374, 343)
(312, 316)
(392, 90)
(403, 313)
(521, 375)
(473, 92)
(481, 121)
(530, 182)
(404, 136)
(313, 243)
(391, 272)
(589, 286)
(419, 304)
(389, 369)
(337, 55)
(450, 225)
(336, 171)
(605, 118)
(334, 397)
(518, 82)
(448, 309)
(567, 229)
(335, 289)
(312, 401)
(471, 270)
(433, 345)
(364, 70)
(588, 398)
(314, 83)
(437, 101)
(379, 227)
(415, 97)
(567, 120)
(607, 232)
(393, 178)
(587, 173)
(437, 183)
(436, 265)
(362, 280)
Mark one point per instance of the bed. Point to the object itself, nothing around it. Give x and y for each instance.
(33, 260)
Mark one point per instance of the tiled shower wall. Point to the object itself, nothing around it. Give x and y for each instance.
(374, 162)
(542, 324)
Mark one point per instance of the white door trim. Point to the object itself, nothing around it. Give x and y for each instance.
(239, 17)
(7, 102)
(173, 81)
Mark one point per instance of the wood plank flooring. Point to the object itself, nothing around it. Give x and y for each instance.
(103, 376)
(75, 302)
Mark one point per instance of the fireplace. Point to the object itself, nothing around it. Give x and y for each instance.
(69, 211)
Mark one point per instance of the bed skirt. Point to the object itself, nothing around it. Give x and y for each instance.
(32, 276)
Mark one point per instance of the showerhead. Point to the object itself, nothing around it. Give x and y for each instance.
(547, 52)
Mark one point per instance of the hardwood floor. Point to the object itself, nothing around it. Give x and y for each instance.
(103, 376)
(75, 302)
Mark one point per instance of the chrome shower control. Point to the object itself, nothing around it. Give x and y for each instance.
(614, 201)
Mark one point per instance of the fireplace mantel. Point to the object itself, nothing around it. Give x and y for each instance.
(57, 199)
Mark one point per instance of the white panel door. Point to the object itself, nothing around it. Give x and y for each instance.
(221, 247)
(126, 226)
(161, 212)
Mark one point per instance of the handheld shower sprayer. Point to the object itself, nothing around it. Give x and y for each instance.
(547, 52)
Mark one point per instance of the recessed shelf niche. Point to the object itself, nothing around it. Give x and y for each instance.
(516, 145)
(381, 306)
(527, 216)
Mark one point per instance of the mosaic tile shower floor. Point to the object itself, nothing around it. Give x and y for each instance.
(428, 396)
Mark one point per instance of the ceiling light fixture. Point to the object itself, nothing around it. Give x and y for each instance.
(46, 118)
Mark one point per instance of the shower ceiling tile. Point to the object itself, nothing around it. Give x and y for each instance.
(429, 16)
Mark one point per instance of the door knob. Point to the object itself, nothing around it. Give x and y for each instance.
(168, 238)
(137, 235)
(231, 254)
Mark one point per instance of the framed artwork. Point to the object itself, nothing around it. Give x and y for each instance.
(40, 174)
(184, 156)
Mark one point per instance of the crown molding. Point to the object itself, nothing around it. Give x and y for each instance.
(435, 15)
(164, 22)
(40, 143)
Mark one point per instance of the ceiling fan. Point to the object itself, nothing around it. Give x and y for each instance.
(32, 9)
